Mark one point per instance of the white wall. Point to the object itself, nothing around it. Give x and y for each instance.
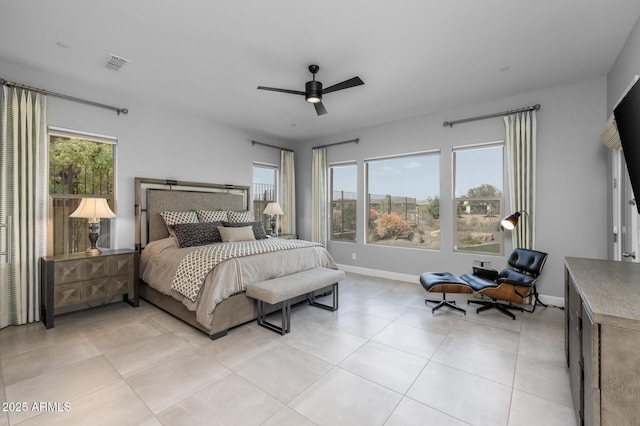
(153, 142)
(627, 65)
(156, 142)
(571, 183)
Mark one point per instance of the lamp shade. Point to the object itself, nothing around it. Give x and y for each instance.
(93, 209)
(510, 222)
(273, 209)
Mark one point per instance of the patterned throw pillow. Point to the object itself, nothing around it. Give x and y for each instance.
(243, 233)
(243, 216)
(196, 234)
(258, 230)
(172, 218)
(212, 215)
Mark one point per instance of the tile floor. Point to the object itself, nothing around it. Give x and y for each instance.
(383, 358)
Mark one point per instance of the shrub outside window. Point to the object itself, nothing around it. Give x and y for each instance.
(478, 198)
(403, 201)
(343, 202)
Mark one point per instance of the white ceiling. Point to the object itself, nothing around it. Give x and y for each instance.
(415, 56)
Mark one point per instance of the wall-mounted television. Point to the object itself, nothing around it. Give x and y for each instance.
(627, 115)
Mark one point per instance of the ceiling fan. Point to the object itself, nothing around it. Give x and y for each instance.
(313, 89)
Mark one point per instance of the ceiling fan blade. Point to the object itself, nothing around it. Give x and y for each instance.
(355, 81)
(320, 109)
(273, 89)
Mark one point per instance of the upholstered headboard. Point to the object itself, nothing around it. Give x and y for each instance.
(155, 195)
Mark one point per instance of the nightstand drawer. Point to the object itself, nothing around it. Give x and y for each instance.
(68, 294)
(122, 284)
(121, 264)
(77, 279)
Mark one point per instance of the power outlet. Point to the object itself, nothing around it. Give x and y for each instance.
(353, 256)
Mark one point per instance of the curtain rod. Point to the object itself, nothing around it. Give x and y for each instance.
(270, 146)
(535, 107)
(4, 82)
(356, 140)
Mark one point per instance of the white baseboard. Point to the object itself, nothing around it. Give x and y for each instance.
(381, 274)
(414, 279)
(558, 302)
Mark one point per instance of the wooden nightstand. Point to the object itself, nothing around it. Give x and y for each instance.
(73, 279)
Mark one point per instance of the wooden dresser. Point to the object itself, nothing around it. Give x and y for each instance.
(602, 337)
(77, 279)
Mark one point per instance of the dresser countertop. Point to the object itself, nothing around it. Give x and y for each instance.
(609, 289)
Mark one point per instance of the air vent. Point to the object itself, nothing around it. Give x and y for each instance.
(115, 62)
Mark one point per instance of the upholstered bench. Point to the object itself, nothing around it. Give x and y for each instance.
(444, 282)
(283, 289)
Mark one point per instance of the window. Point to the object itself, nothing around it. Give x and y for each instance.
(404, 201)
(343, 202)
(80, 165)
(478, 198)
(264, 191)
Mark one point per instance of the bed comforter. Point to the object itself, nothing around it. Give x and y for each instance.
(160, 260)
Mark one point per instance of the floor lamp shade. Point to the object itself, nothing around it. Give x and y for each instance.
(510, 222)
(93, 209)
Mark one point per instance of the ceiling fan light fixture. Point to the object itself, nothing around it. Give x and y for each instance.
(313, 92)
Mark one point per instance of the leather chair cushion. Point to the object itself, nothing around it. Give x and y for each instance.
(443, 282)
(515, 278)
(530, 261)
(478, 283)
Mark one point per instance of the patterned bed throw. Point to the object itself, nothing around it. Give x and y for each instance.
(195, 266)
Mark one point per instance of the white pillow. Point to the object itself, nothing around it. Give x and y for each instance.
(243, 216)
(172, 218)
(241, 233)
(212, 215)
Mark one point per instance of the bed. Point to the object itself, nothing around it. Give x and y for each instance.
(220, 303)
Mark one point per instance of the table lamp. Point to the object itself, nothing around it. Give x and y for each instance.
(93, 209)
(274, 210)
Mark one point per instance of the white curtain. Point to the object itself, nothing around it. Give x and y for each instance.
(521, 169)
(319, 188)
(23, 196)
(287, 192)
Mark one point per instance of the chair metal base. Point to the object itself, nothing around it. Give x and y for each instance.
(499, 306)
(444, 302)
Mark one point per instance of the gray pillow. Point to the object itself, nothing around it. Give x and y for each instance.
(258, 230)
(243, 233)
(196, 234)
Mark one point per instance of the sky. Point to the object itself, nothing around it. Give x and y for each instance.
(418, 176)
(415, 176)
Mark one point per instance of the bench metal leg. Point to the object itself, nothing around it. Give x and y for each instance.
(312, 300)
(286, 317)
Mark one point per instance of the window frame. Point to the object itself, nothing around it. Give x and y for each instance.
(54, 131)
(367, 193)
(455, 199)
(331, 166)
(257, 213)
